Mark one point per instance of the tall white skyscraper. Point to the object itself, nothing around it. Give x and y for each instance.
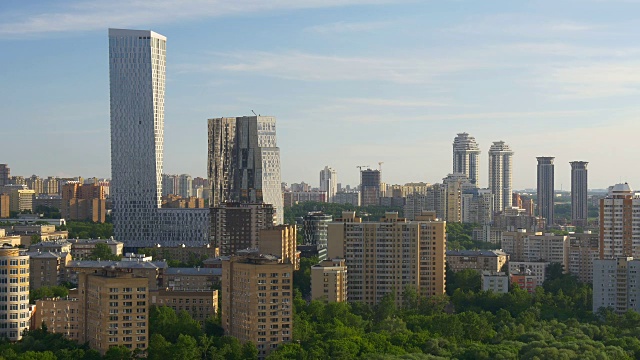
(137, 81)
(466, 157)
(329, 182)
(136, 77)
(500, 172)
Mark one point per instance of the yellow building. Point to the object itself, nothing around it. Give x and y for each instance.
(280, 241)
(14, 289)
(329, 281)
(5, 205)
(257, 297)
(60, 316)
(21, 199)
(387, 256)
(479, 260)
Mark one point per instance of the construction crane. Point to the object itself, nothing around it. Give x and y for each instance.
(362, 166)
(380, 165)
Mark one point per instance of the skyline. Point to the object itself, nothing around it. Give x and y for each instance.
(550, 83)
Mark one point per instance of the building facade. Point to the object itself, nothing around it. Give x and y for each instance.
(329, 182)
(546, 192)
(329, 281)
(14, 289)
(500, 174)
(466, 157)
(257, 301)
(385, 257)
(479, 260)
(579, 187)
(236, 226)
(615, 284)
(538, 247)
(619, 225)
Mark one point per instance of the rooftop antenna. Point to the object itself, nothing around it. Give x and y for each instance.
(254, 113)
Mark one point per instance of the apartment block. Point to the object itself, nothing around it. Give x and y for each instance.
(619, 224)
(82, 248)
(47, 268)
(351, 198)
(329, 281)
(114, 310)
(387, 256)
(525, 281)
(512, 219)
(14, 301)
(257, 297)
(21, 200)
(528, 269)
(199, 304)
(60, 316)
(296, 197)
(495, 281)
(538, 247)
(479, 260)
(583, 250)
(152, 271)
(5, 204)
(191, 279)
(615, 284)
(280, 241)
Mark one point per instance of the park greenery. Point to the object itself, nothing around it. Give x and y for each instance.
(367, 213)
(88, 230)
(103, 252)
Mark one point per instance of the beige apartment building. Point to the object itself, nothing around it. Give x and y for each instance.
(536, 247)
(280, 241)
(199, 304)
(82, 248)
(329, 281)
(21, 199)
(114, 310)
(5, 202)
(584, 248)
(257, 297)
(14, 287)
(47, 268)
(387, 256)
(60, 316)
(479, 260)
(191, 279)
(152, 271)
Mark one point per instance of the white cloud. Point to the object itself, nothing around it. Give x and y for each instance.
(595, 80)
(99, 15)
(343, 27)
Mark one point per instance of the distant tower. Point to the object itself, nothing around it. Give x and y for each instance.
(546, 188)
(329, 182)
(370, 187)
(579, 193)
(500, 172)
(466, 157)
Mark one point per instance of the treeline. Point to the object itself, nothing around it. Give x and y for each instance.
(88, 230)
(368, 213)
(553, 323)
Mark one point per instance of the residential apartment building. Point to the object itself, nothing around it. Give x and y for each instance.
(615, 284)
(498, 282)
(280, 241)
(14, 301)
(525, 281)
(387, 256)
(479, 260)
(257, 296)
(538, 247)
(619, 224)
(584, 248)
(512, 219)
(579, 187)
(329, 281)
(500, 174)
(60, 316)
(191, 279)
(370, 187)
(350, 198)
(82, 248)
(47, 268)
(546, 192)
(114, 310)
(201, 305)
(315, 228)
(153, 271)
(296, 197)
(525, 271)
(5, 205)
(466, 157)
(329, 182)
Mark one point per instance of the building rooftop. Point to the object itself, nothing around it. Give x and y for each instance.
(118, 264)
(193, 271)
(46, 254)
(494, 253)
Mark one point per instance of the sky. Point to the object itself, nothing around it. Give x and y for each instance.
(351, 82)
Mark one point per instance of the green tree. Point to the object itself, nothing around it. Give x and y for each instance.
(35, 238)
(103, 252)
(118, 353)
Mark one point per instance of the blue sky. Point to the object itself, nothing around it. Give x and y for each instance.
(351, 82)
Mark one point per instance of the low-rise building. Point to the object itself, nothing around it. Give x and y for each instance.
(82, 248)
(199, 304)
(47, 268)
(537, 247)
(490, 260)
(495, 281)
(525, 281)
(530, 268)
(60, 316)
(192, 279)
(329, 281)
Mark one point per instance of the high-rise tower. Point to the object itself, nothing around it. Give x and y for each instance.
(579, 210)
(370, 187)
(500, 172)
(244, 162)
(466, 154)
(546, 188)
(329, 182)
(136, 78)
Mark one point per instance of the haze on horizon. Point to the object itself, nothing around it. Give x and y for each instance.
(351, 82)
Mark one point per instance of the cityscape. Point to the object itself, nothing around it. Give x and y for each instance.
(235, 262)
